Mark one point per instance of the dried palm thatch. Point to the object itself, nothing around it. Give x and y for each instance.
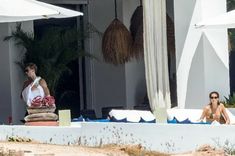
(116, 43)
(136, 21)
(136, 29)
(137, 49)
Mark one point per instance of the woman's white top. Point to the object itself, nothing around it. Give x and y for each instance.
(28, 94)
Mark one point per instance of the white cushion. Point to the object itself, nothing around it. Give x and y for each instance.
(182, 114)
(131, 115)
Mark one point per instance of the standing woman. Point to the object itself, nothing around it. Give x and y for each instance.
(35, 91)
(215, 111)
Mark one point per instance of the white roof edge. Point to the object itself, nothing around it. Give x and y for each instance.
(65, 1)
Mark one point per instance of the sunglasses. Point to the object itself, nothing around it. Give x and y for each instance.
(214, 97)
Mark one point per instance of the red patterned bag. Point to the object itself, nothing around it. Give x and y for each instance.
(49, 101)
(37, 101)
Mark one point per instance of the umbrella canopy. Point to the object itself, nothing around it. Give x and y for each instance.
(225, 20)
(24, 10)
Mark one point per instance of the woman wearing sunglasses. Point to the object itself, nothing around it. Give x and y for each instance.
(35, 91)
(215, 111)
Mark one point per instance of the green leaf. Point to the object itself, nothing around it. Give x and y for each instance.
(51, 52)
(230, 100)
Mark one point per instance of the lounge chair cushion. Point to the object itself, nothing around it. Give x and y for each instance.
(131, 116)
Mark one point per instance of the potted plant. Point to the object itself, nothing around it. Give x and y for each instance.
(51, 52)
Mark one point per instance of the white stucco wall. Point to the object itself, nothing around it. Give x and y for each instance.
(134, 70)
(12, 78)
(135, 83)
(216, 55)
(110, 85)
(107, 82)
(201, 55)
(17, 75)
(171, 138)
(5, 81)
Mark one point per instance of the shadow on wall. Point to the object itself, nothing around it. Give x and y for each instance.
(232, 71)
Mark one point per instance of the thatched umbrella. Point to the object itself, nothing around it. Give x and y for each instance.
(116, 42)
(136, 28)
(137, 49)
(136, 20)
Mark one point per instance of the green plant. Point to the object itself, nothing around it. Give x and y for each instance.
(230, 5)
(230, 101)
(51, 52)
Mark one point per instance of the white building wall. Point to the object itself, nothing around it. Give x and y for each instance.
(110, 85)
(216, 51)
(17, 75)
(201, 55)
(170, 138)
(5, 81)
(135, 83)
(12, 77)
(106, 81)
(134, 70)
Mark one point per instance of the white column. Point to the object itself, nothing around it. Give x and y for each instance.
(17, 76)
(11, 79)
(5, 81)
(201, 55)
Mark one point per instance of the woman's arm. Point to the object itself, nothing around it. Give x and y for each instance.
(43, 83)
(26, 83)
(225, 114)
(203, 114)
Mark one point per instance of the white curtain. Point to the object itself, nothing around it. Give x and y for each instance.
(155, 53)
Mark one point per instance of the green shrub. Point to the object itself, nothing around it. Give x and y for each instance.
(230, 101)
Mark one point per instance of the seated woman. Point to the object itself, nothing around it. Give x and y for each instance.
(215, 111)
(35, 91)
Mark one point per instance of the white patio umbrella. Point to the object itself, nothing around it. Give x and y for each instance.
(24, 10)
(225, 20)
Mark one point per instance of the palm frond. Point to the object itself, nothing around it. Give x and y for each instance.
(52, 52)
